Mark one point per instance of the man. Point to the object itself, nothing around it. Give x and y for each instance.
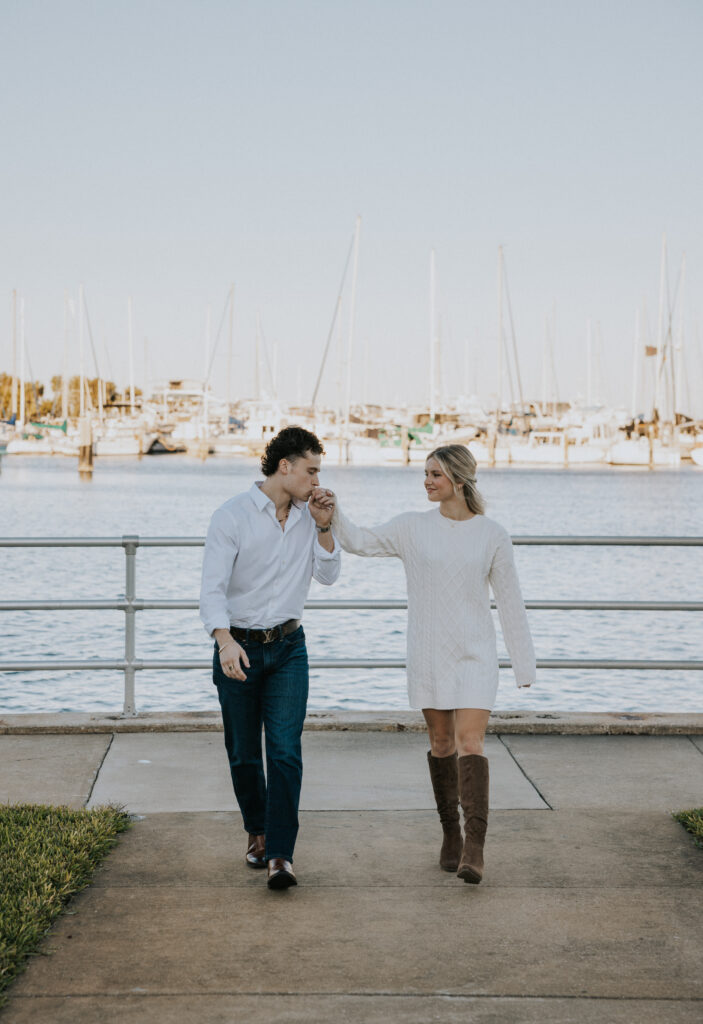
(262, 549)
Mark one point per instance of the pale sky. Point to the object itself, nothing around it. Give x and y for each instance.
(166, 149)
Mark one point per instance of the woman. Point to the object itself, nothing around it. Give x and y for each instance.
(451, 554)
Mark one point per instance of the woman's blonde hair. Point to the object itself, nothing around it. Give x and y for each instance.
(459, 466)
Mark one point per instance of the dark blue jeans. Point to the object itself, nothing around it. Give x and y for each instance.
(273, 696)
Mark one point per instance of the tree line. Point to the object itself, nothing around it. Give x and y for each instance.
(39, 406)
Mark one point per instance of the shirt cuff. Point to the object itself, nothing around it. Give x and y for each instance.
(210, 627)
(323, 553)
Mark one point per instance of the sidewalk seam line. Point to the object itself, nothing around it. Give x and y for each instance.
(697, 749)
(534, 786)
(100, 766)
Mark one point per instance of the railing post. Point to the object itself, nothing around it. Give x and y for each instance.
(130, 544)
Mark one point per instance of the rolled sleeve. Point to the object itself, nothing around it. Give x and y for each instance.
(326, 565)
(221, 546)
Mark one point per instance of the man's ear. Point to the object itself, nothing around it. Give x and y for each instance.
(284, 466)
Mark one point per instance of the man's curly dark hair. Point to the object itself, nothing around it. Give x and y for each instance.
(290, 443)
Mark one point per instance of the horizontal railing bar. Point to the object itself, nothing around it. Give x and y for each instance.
(341, 663)
(653, 606)
(140, 604)
(165, 542)
(101, 542)
(49, 665)
(61, 542)
(64, 606)
(613, 541)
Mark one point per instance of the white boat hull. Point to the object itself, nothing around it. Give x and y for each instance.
(117, 446)
(637, 453)
(29, 446)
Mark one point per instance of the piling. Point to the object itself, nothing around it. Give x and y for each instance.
(85, 446)
(405, 445)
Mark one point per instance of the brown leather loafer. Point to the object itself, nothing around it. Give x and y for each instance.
(256, 851)
(280, 874)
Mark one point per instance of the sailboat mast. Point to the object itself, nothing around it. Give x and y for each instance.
(635, 364)
(64, 376)
(545, 356)
(677, 364)
(131, 354)
(22, 346)
(14, 352)
(229, 350)
(589, 362)
(660, 333)
(500, 334)
(146, 392)
(352, 315)
(340, 377)
(257, 379)
(432, 335)
(208, 316)
(80, 351)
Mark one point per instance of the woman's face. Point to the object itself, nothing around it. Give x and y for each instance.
(438, 486)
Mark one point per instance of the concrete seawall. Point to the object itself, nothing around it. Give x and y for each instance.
(554, 723)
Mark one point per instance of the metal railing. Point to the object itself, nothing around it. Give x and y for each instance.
(130, 604)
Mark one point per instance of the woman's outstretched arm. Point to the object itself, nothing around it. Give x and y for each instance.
(384, 540)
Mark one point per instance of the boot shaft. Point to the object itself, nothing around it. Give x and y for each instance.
(444, 776)
(473, 788)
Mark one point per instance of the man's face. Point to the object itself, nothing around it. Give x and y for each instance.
(301, 475)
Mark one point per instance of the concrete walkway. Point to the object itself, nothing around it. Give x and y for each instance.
(590, 909)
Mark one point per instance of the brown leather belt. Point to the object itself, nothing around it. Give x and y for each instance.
(265, 636)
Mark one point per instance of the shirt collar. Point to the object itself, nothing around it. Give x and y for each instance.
(261, 500)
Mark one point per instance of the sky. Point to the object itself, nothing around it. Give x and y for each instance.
(164, 151)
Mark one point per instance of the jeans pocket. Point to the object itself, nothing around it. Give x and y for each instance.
(296, 637)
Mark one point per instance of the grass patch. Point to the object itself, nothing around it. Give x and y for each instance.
(47, 855)
(692, 821)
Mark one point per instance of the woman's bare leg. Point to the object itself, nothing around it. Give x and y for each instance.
(469, 729)
(441, 728)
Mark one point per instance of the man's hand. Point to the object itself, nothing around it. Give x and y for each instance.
(233, 658)
(321, 504)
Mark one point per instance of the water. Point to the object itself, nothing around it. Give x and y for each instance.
(175, 495)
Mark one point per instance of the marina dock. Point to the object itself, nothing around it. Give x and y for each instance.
(589, 910)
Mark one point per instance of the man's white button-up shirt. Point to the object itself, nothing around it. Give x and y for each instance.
(256, 575)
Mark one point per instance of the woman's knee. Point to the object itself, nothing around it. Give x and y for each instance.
(469, 743)
(441, 744)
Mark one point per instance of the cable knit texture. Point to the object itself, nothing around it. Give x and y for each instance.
(452, 660)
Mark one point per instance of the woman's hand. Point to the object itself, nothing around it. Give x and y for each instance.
(322, 504)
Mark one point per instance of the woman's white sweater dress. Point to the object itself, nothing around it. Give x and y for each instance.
(452, 659)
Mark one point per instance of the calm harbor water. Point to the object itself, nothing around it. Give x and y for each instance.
(175, 495)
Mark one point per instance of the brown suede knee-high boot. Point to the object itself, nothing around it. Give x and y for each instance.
(445, 783)
(473, 793)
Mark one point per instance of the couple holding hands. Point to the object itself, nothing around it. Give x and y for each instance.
(262, 549)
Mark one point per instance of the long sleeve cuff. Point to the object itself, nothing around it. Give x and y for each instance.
(326, 564)
(324, 554)
(211, 623)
